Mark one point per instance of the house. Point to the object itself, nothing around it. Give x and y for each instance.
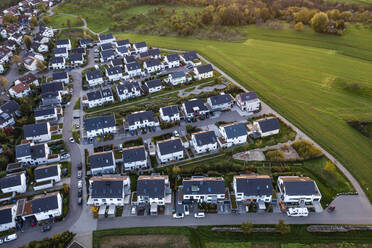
(194, 108)
(30, 63)
(233, 134)
(94, 78)
(99, 97)
(6, 120)
(203, 189)
(141, 119)
(203, 71)
(46, 32)
(257, 188)
(169, 150)
(126, 90)
(41, 39)
(7, 112)
(7, 217)
(56, 86)
(117, 62)
(153, 65)
(43, 207)
(39, 132)
(46, 176)
(65, 43)
(220, 102)
(107, 46)
(129, 59)
(13, 183)
(107, 55)
(78, 50)
(172, 60)
(20, 90)
(140, 47)
(102, 163)
(204, 141)
(76, 59)
(106, 38)
(5, 54)
(101, 125)
(57, 63)
(267, 127)
(85, 43)
(31, 154)
(2, 69)
(18, 38)
(114, 73)
(61, 52)
(39, 47)
(177, 78)
(153, 86)
(45, 114)
(133, 69)
(122, 51)
(10, 44)
(28, 78)
(123, 43)
(154, 53)
(61, 77)
(51, 98)
(295, 189)
(109, 190)
(248, 101)
(134, 158)
(154, 190)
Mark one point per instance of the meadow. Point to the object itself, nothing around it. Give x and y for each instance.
(60, 21)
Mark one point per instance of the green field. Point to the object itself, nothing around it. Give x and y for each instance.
(304, 76)
(60, 21)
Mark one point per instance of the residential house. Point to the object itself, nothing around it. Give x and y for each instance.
(295, 189)
(61, 77)
(43, 207)
(267, 127)
(204, 141)
(85, 43)
(65, 43)
(220, 102)
(170, 113)
(46, 32)
(10, 44)
(13, 183)
(107, 55)
(203, 189)
(169, 150)
(177, 78)
(107, 46)
(56, 86)
(126, 90)
(248, 101)
(153, 86)
(39, 132)
(57, 63)
(154, 53)
(101, 125)
(30, 63)
(203, 71)
(29, 79)
(233, 134)
(122, 51)
(133, 69)
(117, 62)
(31, 154)
(5, 54)
(140, 47)
(102, 163)
(46, 114)
(39, 47)
(60, 52)
(123, 43)
(7, 217)
(257, 188)
(194, 108)
(134, 158)
(114, 73)
(109, 190)
(154, 190)
(129, 59)
(6, 120)
(41, 39)
(76, 59)
(141, 119)
(172, 60)
(51, 98)
(106, 38)
(99, 97)
(20, 90)
(94, 78)
(153, 65)
(46, 176)
(7, 112)
(79, 50)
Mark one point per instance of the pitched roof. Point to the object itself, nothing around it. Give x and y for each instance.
(6, 215)
(44, 111)
(91, 75)
(247, 96)
(114, 70)
(37, 129)
(96, 123)
(133, 66)
(205, 138)
(10, 181)
(178, 74)
(52, 87)
(107, 53)
(46, 171)
(170, 110)
(86, 41)
(153, 62)
(117, 62)
(76, 57)
(122, 49)
(134, 154)
(10, 107)
(107, 188)
(204, 186)
(28, 78)
(170, 146)
(220, 99)
(129, 59)
(38, 151)
(140, 44)
(130, 87)
(44, 204)
(140, 116)
(59, 75)
(106, 36)
(153, 187)
(154, 83)
(299, 186)
(195, 103)
(122, 43)
(106, 46)
(23, 150)
(78, 50)
(173, 57)
(254, 185)
(62, 42)
(270, 124)
(94, 95)
(61, 50)
(153, 52)
(204, 68)
(21, 87)
(57, 60)
(102, 159)
(235, 130)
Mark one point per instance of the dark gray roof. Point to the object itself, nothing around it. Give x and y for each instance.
(10, 181)
(133, 66)
(94, 95)
(235, 130)
(170, 110)
(130, 59)
(220, 99)
(63, 42)
(28, 78)
(190, 105)
(153, 188)
(204, 68)
(154, 83)
(134, 154)
(56, 60)
(106, 36)
(32, 130)
(51, 87)
(140, 44)
(144, 54)
(44, 204)
(76, 57)
(107, 189)
(5, 216)
(45, 172)
(153, 52)
(130, 87)
(107, 92)
(107, 46)
(248, 96)
(61, 50)
(49, 95)
(173, 57)
(203, 187)
(117, 62)
(93, 74)
(86, 41)
(153, 62)
(170, 146)
(107, 53)
(37, 151)
(268, 125)
(122, 43)
(140, 116)
(254, 186)
(100, 160)
(60, 75)
(205, 138)
(300, 188)
(95, 123)
(178, 74)
(122, 49)
(44, 111)
(114, 70)
(78, 50)
(23, 150)
(10, 107)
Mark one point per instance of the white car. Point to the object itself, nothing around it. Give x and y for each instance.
(72, 140)
(10, 237)
(199, 215)
(80, 184)
(186, 210)
(176, 134)
(133, 210)
(178, 215)
(298, 212)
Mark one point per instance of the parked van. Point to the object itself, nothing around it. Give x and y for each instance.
(10, 237)
(298, 212)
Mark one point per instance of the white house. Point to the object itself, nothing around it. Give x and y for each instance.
(107, 55)
(109, 190)
(190, 58)
(153, 86)
(123, 43)
(45, 114)
(129, 59)
(257, 188)
(46, 176)
(172, 60)
(248, 101)
(31, 154)
(28, 78)
(102, 163)
(106, 38)
(141, 119)
(203, 189)
(57, 63)
(194, 108)
(5, 54)
(1, 69)
(203, 71)
(98, 97)
(61, 52)
(6, 120)
(20, 90)
(127, 90)
(61, 77)
(39, 132)
(294, 189)
(7, 217)
(114, 73)
(154, 53)
(76, 59)
(233, 134)
(177, 78)
(65, 43)
(267, 127)
(204, 141)
(140, 47)
(153, 65)
(85, 43)
(220, 102)
(14, 183)
(30, 63)
(169, 150)
(170, 113)
(39, 47)
(133, 69)
(122, 51)
(134, 158)
(43, 207)
(46, 32)
(96, 126)
(153, 190)
(94, 78)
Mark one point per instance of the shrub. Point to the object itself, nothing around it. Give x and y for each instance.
(299, 26)
(282, 227)
(306, 150)
(275, 155)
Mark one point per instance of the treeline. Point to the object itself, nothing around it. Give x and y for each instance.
(4, 4)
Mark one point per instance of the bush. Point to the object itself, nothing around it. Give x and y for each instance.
(306, 150)
(275, 155)
(299, 26)
(58, 240)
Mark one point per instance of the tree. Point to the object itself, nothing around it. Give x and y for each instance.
(79, 21)
(27, 41)
(69, 23)
(176, 170)
(282, 227)
(247, 227)
(3, 81)
(41, 7)
(33, 21)
(16, 59)
(275, 155)
(319, 22)
(40, 66)
(46, 20)
(9, 19)
(299, 26)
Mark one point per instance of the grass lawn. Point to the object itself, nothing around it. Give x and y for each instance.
(299, 75)
(74, 35)
(60, 21)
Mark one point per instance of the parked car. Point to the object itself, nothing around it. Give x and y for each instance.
(80, 201)
(178, 215)
(133, 211)
(10, 237)
(46, 228)
(80, 166)
(72, 140)
(176, 134)
(33, 221)
(298, 212)
(80, 184)
(186, 210)
(199, 215)
(79, 174)
(80, 192)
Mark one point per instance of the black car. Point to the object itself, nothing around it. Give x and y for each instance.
(80, 192)
(80, 201)
(46, 228)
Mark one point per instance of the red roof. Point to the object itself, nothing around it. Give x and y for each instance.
(21, 87)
